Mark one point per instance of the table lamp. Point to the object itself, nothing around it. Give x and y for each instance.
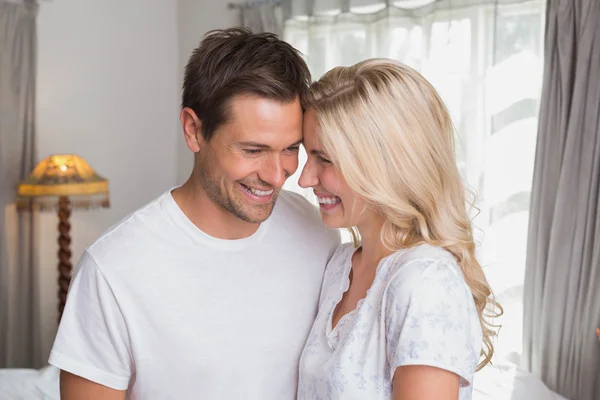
(63, 182)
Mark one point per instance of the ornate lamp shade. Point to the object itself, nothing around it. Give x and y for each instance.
(63, 181)
(64, 175)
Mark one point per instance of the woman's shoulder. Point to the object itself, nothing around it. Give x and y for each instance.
(423, 253)
(423, 268)
(430, 315)
(421, 258)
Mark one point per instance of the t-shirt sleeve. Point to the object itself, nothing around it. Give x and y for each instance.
(431, 320)
(92, 339)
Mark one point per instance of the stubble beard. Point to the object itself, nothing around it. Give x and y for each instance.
(233, 204)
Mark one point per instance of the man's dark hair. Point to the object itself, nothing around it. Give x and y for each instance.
(235, 61)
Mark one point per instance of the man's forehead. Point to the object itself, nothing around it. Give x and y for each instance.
(262, 108)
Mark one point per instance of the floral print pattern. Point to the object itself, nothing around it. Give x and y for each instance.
(418, 311)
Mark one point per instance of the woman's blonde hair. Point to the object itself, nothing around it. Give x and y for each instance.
(390, 135)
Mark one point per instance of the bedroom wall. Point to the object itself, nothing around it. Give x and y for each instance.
(196, 17)
(108, 91)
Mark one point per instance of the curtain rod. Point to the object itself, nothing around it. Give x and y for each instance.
(251, 4)
(25, 2)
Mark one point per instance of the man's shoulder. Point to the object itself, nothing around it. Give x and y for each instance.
(299, 217)
(132, 232)
(293, 202)
(294, 208)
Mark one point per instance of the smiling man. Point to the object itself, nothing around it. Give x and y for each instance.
(210, 290)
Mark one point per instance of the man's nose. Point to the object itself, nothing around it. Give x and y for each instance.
(274, 171)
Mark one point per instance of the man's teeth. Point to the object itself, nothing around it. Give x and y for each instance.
(329, 200)
(258, 192)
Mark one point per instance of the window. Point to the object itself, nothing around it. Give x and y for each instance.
(486, 62)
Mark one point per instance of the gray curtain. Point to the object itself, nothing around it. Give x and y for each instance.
(562, 282)
(19, 315)
(264, 16)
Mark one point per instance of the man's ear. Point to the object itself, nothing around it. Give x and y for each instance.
(192, 129)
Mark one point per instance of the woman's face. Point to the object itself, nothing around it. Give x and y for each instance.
(340, 206)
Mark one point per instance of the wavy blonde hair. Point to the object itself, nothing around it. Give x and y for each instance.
(388, 132)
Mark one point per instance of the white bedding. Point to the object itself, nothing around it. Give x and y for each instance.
(29, 384)
(507, 382)
(504, 382)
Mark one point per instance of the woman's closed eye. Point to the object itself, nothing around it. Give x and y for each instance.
(323, 160)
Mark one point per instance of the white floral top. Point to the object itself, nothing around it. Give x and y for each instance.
(418, 311)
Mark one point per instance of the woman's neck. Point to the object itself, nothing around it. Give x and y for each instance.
(372, 248)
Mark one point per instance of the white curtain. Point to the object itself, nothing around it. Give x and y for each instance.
(485, 58)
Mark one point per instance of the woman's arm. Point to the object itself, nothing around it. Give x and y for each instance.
(422, 382)
(433, 333)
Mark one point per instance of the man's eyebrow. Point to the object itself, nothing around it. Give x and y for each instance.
(265, 146)
(254, 144)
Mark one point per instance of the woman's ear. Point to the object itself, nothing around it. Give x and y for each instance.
(192, 129)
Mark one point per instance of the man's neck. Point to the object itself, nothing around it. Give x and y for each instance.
(208, 216)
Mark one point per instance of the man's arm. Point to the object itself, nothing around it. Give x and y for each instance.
(92, 342)
(73, 387)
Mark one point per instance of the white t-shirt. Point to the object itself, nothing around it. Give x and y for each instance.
(166, 311)
(418, 311)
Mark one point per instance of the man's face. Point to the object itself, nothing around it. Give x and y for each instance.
(247, 160)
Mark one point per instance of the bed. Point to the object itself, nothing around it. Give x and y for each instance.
(499, 382)
(29, 384)
(507, 382)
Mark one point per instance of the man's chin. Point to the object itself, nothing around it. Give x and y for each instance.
(251, 211)
(257, 214)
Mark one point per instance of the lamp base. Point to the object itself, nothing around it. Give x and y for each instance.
(64, 252)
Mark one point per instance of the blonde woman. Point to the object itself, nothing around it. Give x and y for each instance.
(401, 314)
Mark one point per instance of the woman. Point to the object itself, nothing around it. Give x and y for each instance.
(401, 316)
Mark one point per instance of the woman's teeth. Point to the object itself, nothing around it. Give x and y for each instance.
(329, 200)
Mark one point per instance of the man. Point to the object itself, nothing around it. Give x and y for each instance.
(210, 290)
